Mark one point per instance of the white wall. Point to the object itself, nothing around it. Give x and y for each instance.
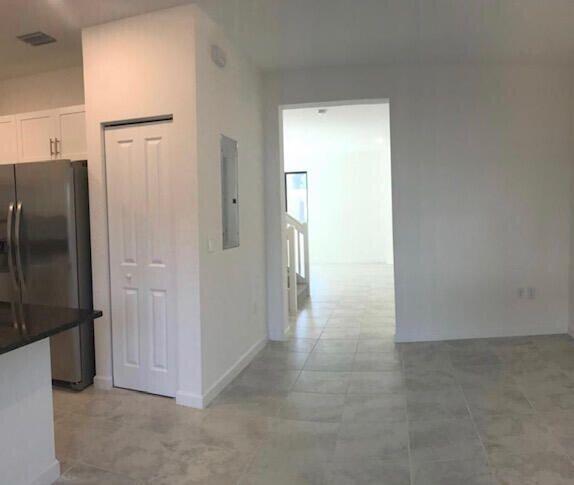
(136, 68)
(346, 154)
(47, 90)
(158, 64)
(481, 166)
(232, 281)
(27, 416)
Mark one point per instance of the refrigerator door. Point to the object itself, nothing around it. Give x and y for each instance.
(9, 289)
(45, 251)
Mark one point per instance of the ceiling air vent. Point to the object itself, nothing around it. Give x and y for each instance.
(37, 38)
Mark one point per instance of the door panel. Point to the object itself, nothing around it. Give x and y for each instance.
(35, 130)
(47, 252)
(72, 143)
(8, 140)
(157, 209)
(141, 267)
(47, 233)
(127, 201)
(132, 327)
(8, 288)
(159, 304)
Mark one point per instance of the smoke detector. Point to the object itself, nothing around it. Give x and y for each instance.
(36, 38)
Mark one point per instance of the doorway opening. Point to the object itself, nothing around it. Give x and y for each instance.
(338, 220)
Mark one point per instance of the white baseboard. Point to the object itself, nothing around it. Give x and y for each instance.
(48, 476)
(279, 335)
(104, 383)
(185, 398)
(406, 337)
(233, 371)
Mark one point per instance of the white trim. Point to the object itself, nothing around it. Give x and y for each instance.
(277, 334)
(273, 324)
(498, 332)
(189, 399)
(233, 371)
(48, 476)
(185, 398)
(104, 383)
(332, 104)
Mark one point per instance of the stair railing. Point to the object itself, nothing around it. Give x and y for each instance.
(297, 262)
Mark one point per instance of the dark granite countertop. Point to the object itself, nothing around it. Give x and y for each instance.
(22, 324)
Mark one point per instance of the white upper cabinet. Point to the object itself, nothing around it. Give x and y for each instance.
(36, 136)
(52, 134)
(71, 139)
(8, 140)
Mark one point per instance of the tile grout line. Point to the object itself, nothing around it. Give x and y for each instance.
(291, 388)
(410, 458)
(251, 460)
(81, 462)
(539, 414)
(475, 426)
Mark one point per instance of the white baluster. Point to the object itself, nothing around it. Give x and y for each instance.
(307, 263)
(292, 270)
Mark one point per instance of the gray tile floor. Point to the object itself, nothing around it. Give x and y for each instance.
(341, 403)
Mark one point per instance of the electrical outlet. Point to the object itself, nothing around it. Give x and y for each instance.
(527, 293)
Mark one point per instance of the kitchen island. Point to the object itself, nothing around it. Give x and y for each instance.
(27, 451)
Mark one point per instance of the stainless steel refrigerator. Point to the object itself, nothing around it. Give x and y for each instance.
(45, 253)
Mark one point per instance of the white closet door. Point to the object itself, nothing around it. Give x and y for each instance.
(141, 257)
(71, 133)
(8, 140)
(36, 136)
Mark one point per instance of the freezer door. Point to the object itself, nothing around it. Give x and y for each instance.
(46, 260)
(9, 290)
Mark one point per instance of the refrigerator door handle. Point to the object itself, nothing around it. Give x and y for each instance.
(9, 237)
(17, 241)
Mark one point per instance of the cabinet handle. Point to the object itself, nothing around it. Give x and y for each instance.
(51, 147)
(57, 143)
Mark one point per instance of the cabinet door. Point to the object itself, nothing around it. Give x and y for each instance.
(8, 140)
(36, 136)
(71, 126)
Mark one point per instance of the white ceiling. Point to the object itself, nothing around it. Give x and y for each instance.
(62, 19)
(342, 129)
(300, 33)
(281, 34)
